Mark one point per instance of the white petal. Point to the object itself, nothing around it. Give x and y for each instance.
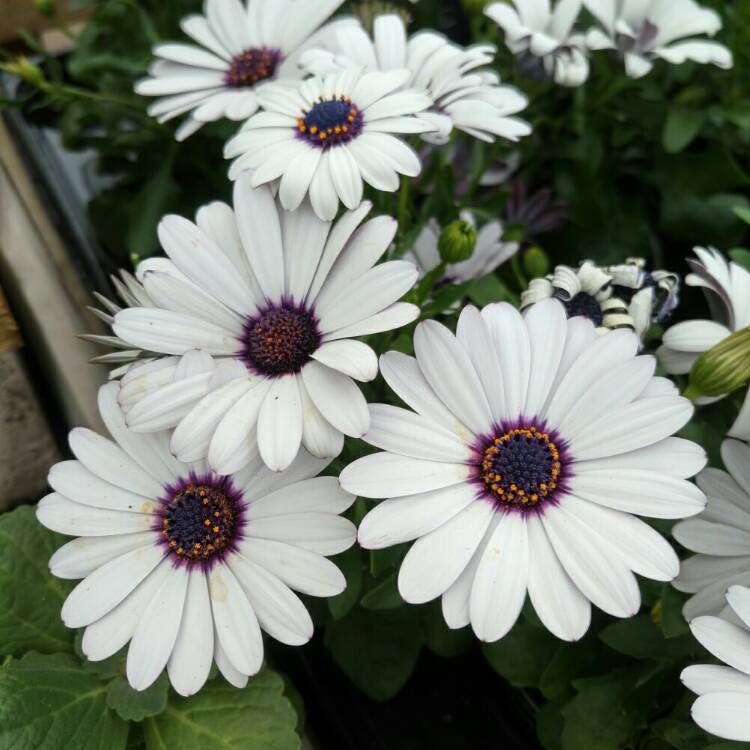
(402, 519)
(727, 642)
(436, 560)
(724, 714)
(81, 557)
(645, 493)
(499, 589)
(382, 475)
(448, 370)
(67, 517)
(337, 398)
(280, 424)
(192, 657)
(280, 612)
(353, 358)
(235, 621)
(633, 426)
(563, 609)
(109, 462)
(316, 495)
(603, 578)
(157, 631)
(318, 532)
(407, 434)
(107, 586)
(300, 569)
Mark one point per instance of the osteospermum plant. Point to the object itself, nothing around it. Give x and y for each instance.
(405, 353)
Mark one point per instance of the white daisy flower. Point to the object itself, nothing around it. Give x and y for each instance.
(545, 32)
(238, 48)
(727, 287)
(720, 535)
(723, 707)
(531, 447)
(254, 322)
(585, 291)
(489, 253)
(624, 296)
(463, 94)
(326, 136)
(186, 565)
(643, 31)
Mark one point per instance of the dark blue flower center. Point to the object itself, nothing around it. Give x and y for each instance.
(280, 340)
(521, 468)
(331, 122)
(252, 66)
(586, 305)
(199, 519)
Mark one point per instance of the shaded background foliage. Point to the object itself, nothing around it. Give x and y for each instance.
(644, 168)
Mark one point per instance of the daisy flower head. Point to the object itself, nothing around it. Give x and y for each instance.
(545, 32)
(490, 252)
(237, 47)
(185, 565)
(462, 93)
(727, 288)
(623, 296)
(723, 705)
(327, 135)
(529, 448)
(643, 31)
(253, 327)
(720, 535)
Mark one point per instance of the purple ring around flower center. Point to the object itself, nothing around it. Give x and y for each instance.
(279, 339)
(585, 305)
(252, 66)
(201, 519)
(521, 467)
(330, 122)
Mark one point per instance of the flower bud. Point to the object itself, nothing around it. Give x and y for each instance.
(536, 263)
(26, 70)
(723, 369)
(46, 7)
(457, 242)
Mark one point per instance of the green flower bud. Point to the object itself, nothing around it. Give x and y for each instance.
(723, 369)
(26, 70)
(536, 263)
(46, 7)
(457, 242)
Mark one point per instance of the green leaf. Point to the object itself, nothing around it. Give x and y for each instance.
(154, 198)
(742, 212)
(50, 702)
(672, 620)
(134, 705)
(439, 638)
(729, 746)
(681, 128)
(350, 564)
(377, 650)
(682, 735)
(221, 717)
(641, 638)
(490, 289)
(608, 711)
(549, 726)
(523, 655)
(30, 596)
(384, 595)
(741, 256)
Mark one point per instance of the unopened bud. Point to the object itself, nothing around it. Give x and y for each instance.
(26, 70)
(722, 369)
(45, 7)
(536, 263)
(457, 242)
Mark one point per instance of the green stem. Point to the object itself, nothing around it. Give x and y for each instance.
(403, 204)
